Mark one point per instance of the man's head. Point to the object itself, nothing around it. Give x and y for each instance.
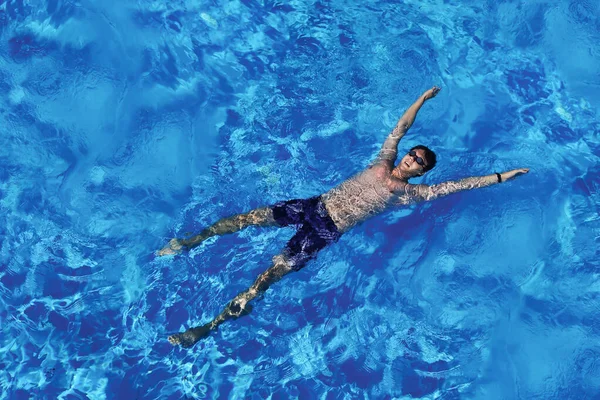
(417, 161)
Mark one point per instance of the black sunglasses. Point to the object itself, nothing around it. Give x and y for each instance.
(419, 160)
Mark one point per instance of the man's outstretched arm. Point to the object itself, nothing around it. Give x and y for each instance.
(427, 193)
(389, 150)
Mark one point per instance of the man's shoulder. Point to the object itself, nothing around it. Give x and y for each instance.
(404, 187)
(409, 193)
(381, 166)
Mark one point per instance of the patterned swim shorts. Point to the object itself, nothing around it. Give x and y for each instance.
(315, 227)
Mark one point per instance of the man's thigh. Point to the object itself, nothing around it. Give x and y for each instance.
(303, 247)
(293, 212)
(261, 216)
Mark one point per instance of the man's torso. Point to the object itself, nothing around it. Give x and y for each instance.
(365, 195)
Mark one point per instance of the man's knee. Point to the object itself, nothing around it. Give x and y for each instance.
(262, 216)
(238, 307)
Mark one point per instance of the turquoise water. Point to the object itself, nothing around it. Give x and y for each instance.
(124, 124)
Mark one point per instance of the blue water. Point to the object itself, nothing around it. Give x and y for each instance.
(125, 123)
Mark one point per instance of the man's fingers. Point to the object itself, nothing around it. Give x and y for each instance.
(431, 93)
(520, 171)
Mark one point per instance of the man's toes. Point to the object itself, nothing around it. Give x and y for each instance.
(174, 339)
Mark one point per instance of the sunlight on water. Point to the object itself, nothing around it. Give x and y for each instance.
(128, 123)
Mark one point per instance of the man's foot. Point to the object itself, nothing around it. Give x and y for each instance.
(174, 247)
(190, 337)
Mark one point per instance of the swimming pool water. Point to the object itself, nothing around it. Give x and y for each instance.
(126, 123)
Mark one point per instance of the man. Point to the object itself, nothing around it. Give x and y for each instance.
(321, 220)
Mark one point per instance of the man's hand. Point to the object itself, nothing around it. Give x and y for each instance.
(514, 173)
(174, 247)
(431, 93)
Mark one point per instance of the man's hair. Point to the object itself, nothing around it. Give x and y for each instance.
(429, 156)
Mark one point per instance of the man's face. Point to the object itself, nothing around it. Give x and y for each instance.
(410, 162)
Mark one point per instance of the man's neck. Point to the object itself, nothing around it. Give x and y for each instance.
(401, 175)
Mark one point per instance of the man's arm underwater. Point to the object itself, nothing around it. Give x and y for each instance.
(428, 193)
(389, 150)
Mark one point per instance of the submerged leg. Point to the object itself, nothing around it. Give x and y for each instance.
(238, 306)
(259, 217)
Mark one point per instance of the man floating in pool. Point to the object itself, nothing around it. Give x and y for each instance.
(321, 220)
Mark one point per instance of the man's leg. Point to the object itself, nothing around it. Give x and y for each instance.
(239, 305)
(259, 217)
(303, 246)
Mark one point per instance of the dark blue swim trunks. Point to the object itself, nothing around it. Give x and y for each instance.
(315, 227)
